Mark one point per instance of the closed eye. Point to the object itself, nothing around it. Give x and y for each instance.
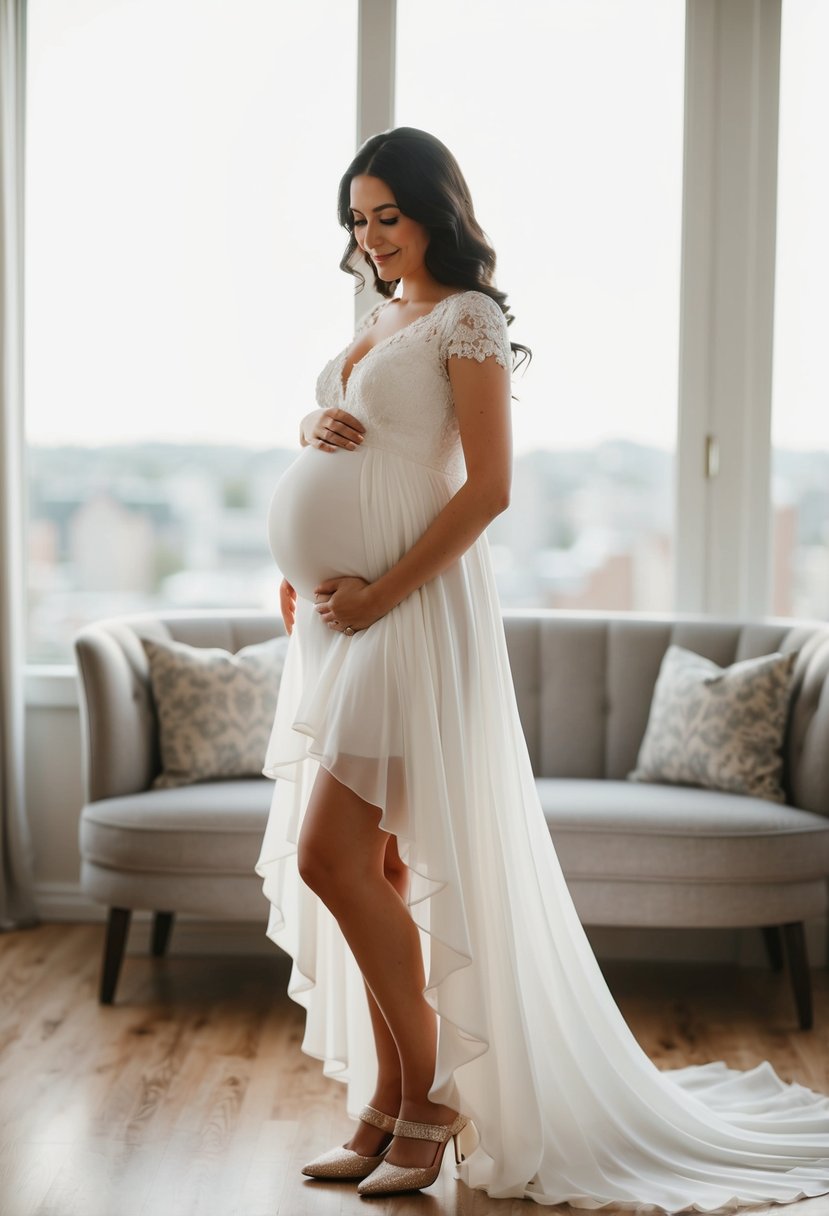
(388, 223)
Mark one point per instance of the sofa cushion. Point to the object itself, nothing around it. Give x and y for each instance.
(215, 709)
(722, 728)
(213, 827)
(621, 830)
(601, 830)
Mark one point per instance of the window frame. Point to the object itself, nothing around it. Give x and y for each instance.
(729, 211)
(729, 192)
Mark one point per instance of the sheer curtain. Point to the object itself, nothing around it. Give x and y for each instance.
(17, 907)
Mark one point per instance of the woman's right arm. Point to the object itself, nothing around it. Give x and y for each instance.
(287, 605)
(329, 429)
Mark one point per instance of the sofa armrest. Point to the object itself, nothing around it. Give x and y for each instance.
(807, 742)
(119, 730)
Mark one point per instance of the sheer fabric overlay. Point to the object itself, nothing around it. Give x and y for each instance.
(418, 715)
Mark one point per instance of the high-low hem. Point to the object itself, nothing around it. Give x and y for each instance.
(417, 715)
(531, 1044)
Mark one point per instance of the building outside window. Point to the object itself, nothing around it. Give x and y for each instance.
(567, 119)
(181, 291)
(183, 288)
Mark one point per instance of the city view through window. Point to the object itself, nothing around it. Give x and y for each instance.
(184, 296)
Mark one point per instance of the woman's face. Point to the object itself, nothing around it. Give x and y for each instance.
(381, 228)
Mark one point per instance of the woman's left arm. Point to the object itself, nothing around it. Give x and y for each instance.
(481, 393)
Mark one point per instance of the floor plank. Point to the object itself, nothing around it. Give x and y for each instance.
(190, 1096)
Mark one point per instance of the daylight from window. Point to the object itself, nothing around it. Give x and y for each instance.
(800, 414)
(567, 121)
(183, 289)
(182, 292)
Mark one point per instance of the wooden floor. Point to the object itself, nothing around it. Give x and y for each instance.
(190, 1096)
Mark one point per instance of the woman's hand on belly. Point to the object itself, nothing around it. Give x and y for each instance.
(329, 429)
(287, 604)
(347, 601)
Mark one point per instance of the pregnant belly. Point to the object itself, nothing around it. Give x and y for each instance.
(315, 527)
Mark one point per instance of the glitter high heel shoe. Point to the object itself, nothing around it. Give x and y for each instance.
(343, 1162)
(389, 1178)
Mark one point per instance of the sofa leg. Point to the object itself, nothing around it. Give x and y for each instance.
(774, 946)
(162, 924)
(795, 939)
(116, 939)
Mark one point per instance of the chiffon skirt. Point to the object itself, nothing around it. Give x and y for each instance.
(417, 714)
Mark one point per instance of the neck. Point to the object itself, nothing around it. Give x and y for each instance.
(420, 288)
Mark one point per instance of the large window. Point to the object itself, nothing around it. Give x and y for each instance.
(800, 427)
(182, 167)
(566, 117)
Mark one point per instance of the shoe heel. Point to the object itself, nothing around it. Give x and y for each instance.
(465, 1142)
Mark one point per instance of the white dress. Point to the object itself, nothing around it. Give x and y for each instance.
(418, 715)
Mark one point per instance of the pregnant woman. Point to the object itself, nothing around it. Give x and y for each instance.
(410, 872)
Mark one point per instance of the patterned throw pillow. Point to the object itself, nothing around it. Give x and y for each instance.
(718, 727)
(215, 709)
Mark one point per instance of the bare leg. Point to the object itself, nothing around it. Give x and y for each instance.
(341, 857)
(367, 1140)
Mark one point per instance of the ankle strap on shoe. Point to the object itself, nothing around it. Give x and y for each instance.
(376, 1118)
(429, 1131)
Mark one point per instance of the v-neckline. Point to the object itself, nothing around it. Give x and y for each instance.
(382, 342)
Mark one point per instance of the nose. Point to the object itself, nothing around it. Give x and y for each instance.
(374, 242)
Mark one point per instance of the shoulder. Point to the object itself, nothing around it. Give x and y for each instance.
(475, 328)
(475, 303)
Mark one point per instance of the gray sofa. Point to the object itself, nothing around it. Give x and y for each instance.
(634, 854)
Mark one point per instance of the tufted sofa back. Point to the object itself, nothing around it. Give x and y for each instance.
(583, 683)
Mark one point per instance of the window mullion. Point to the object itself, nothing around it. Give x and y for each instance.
(727, 305)
(376, 43)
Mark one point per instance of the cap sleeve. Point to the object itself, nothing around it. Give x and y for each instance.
(477, 328)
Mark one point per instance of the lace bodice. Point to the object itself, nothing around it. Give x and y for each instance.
(400, 389)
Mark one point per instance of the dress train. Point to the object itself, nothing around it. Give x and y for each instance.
(418, 715)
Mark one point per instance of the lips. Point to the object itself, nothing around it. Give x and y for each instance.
(383, 257)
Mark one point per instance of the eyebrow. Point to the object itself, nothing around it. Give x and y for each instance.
(380, 208)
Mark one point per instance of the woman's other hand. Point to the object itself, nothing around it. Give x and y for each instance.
(329, 429)
(347, 601)
(287, 604)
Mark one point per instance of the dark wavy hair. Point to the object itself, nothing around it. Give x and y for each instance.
(429, 187)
